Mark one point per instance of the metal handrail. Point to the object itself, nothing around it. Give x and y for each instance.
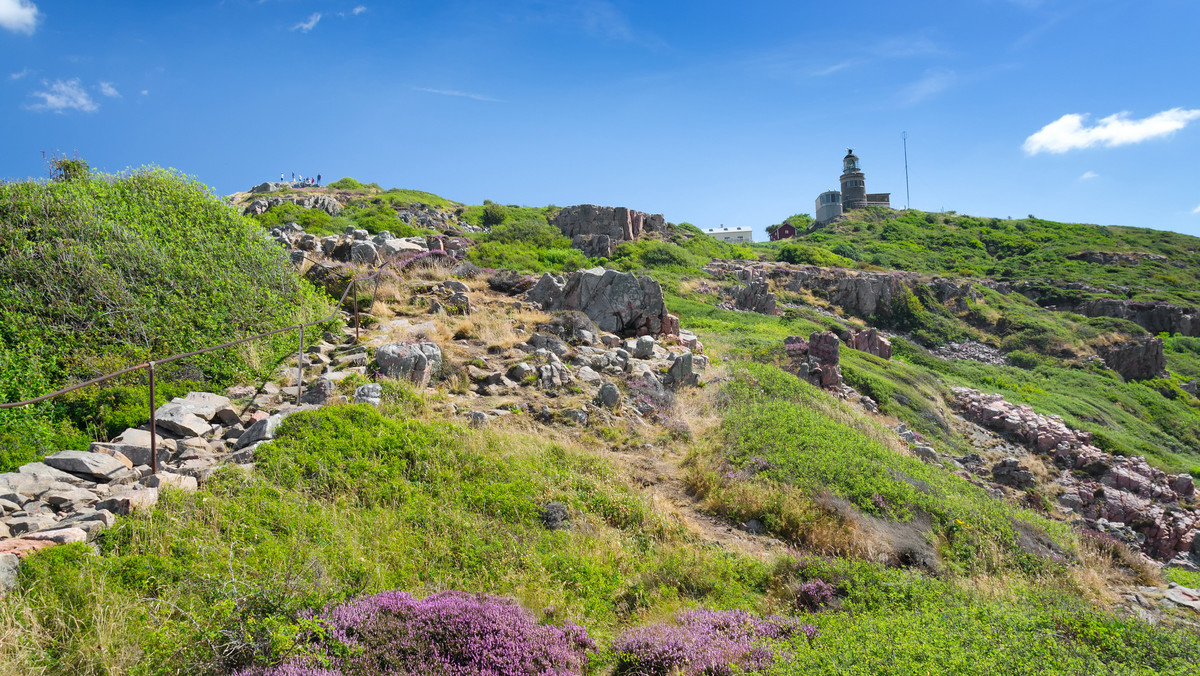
(149, 365)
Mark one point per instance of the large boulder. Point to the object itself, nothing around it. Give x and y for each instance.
(870, 341)
(94, 466)
(618, 302)
(417, 362)
(817, 359)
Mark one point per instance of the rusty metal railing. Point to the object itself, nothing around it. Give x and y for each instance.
(149, 365)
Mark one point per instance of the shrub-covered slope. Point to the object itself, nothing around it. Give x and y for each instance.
(102, 272)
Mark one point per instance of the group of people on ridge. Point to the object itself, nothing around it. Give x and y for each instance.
(309, 181)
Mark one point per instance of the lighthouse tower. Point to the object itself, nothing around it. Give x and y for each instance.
(854, 184)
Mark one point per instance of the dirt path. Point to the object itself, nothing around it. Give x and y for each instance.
(659, 473)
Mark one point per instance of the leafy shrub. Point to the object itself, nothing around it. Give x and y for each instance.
(531, 232)
(803, 254)
(705, 643)
(450, 633)
(102, 272)
(493, 214)
(312, 220)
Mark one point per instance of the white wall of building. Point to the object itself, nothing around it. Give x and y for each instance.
(741, 235)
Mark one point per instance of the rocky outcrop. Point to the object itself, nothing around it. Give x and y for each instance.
(816, 360)
(871, 341)
(323, 202)
(858, 292)
(1125, 492)
(593, 246)
(755, 296)
(972, 351)
(618, 302)
(1152, 316)
(589, 225)
(1114, 258)
(1135, 359)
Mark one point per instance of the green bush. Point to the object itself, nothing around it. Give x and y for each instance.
(803, 254)
(103, 272)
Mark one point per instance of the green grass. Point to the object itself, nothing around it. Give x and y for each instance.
(771, 415)
(1030, 249)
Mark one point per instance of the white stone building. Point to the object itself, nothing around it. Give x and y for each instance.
(738, 235)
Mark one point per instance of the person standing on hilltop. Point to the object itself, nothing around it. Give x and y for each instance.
(281, 177)
(318, 179)
(293, 177)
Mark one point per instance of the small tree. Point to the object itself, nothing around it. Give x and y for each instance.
(69, 168)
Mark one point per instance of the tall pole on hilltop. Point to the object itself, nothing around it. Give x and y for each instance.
(907, 195)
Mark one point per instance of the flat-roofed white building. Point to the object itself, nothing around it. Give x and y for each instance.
(738, 235)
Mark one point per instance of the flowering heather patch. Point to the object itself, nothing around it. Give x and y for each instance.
(705, 643)
(451, 633)
(814, 595)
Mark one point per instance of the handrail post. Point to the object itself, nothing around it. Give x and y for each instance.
(354, 291)
(300, 366)
(153, 441)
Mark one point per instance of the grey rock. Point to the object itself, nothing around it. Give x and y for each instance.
(575, 416)
(618, 302)
(371, 393)
(60, 536)
(95, 466)
(608, 396)
(363, 252)
(178, 419)
(10, 566)
(519, 372)
(643, 348)
(587, 375)
(134, 444)
(417, 362)
(29, 524)
(69, 496)
(263, 430)
(320, 391)
(129, 500)
(178, 482)
(681, 373)
(477, 419)
(926, 453)
(40, 471)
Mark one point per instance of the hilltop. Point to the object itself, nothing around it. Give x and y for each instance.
(599, 442)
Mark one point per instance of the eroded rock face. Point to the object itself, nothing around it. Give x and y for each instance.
(872, 342)
(858, 292)
(617, 223)
(1136, 359)
(816, 359)
(755, 296)
(1121, 491)
(618, 302)
(1154, 317)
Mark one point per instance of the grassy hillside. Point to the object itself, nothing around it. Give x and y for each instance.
(102, 272)
(1028, 249)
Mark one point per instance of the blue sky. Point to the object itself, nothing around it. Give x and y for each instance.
(715, 113)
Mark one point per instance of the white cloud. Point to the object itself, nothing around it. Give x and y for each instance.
(306, 26)
(358, 10)
(934, 82)
(64, 95)
(1196, 210)
(1089, 175)
(455, 92)
(18, 16)
(1069, 132)
(145, 92)
(20, 74)
(109, 90)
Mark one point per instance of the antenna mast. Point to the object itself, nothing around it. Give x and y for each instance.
(907, 195)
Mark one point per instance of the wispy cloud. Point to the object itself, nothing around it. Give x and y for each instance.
(145, 92)
(830, 70)
(311, 23)
(107, 89)
(455, 92)
(1196, 210)
(63, 95)
(1070, 132)
(19, 16)
(19, 74)
(358, 10)
(1089, 175)
(934, 82)
(602, 19)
